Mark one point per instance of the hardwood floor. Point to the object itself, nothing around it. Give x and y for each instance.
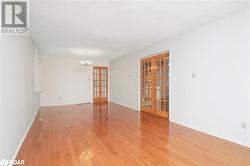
(112, 135)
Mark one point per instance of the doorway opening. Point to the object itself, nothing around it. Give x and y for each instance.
(100, 84)
(155, 84)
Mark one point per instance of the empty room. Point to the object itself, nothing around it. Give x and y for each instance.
(125, 83)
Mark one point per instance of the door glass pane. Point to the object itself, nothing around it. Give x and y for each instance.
(148, 83)
(167, 89)
(162, 84)
(146, 100)
(143, 94)
(167, 107)
(162, 94)
(103, 72)
(158, 95)
(167, 67)
(97, 83)
(158, 84)
(158, 73)
(142, 76)
(163, 105)
(162, 68)
(158, 105)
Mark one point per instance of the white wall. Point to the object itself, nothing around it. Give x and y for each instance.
(62, 77)
(217, 100)
(1, 100)
(37, 72)
(124, 81)
(20, 104)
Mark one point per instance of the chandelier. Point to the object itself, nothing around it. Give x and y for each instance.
(85, 63)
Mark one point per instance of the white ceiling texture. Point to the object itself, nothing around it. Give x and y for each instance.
(108, 29)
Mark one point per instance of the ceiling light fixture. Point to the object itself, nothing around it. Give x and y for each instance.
(85, 63)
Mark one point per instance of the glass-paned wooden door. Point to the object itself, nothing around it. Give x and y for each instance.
(147, 84)
(155, 85)
(162, 85)
(100, 84)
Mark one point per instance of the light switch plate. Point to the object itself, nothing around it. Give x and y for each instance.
(193, 75)
(243, 125)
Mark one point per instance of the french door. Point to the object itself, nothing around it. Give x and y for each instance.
(100, 84)
(155, 85)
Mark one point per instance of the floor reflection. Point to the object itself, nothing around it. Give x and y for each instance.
(100, 111)
(151, 125)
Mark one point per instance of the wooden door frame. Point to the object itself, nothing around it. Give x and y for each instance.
(153, 56)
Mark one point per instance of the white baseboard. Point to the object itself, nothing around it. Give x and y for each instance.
(124, 105)
(25, 134)
(230, 141)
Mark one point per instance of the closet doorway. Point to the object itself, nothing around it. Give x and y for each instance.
(100, 84)
(155, 84)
